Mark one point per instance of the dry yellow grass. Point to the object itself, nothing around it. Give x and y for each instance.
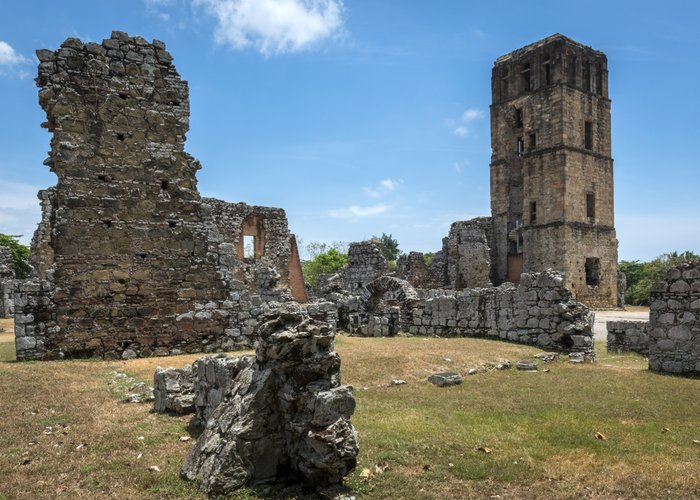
(540, 427)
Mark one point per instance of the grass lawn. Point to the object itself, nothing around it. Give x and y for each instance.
(65, 434)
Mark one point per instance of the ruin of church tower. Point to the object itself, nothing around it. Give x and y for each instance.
(551, 167)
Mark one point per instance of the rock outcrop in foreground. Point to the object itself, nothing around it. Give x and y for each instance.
(285, 418)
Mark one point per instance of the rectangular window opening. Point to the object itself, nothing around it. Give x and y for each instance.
(533, 141)
(599, 79)
(590, 207)
(518, 118)
(572, 71)
(248, 247)
(533, 212)
(587, 77)
(592, 271)
(520, 147)
(164, 184)
(525, 74)
(588, 135)
(547, 72)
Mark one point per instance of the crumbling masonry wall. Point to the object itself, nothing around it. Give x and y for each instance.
(674, 317)
(130, 260)
(538, 311)
(464, 261)
(7, 283)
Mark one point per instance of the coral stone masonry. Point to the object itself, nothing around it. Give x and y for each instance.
(129, 257)
(552, 169)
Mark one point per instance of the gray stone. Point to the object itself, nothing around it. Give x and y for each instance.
(445, 379)
(285, 418)
(527, 366)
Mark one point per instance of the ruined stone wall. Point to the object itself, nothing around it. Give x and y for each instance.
(130, 260)
(468, 253)
(538, 311)
(366, 263)
(7, 283)
(413, 268)
(674, 337)
(628, 336)
(267, 271)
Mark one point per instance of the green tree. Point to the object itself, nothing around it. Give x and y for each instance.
(641, 276)
(20, 255)
(390, 247)
(327, 262)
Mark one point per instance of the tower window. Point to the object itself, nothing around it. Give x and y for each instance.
(599, 79)
(592, 271)
(518, 118)
(520, 147)
(164, 184)
(572, 71)
(533, 141)
(590, 207)
(533, 212)
(588, 135)
(587, 76)
(504, 84)
(525, 74)
(547, 72)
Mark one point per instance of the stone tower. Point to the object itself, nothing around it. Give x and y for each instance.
(551, 167)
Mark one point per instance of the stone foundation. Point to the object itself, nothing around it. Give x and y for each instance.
(628, 336)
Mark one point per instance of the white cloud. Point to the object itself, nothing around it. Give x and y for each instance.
(384, 187)
(355, 211)
(274, 26)
(10, 59)
(472, 114)
(459, 127)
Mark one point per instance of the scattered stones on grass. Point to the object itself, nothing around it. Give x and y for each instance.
(445, 379)
(397, 381)
(526, 366)
(129, 389)
(472, 371)
(547, 357)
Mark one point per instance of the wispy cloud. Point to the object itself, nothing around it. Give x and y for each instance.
(12, 62)
(460, 127)
(383, 188)
(355, 211)
(274, 26)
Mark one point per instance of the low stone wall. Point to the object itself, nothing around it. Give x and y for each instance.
(368, 324)
(539, 311)
(628, 336)
(674, 337)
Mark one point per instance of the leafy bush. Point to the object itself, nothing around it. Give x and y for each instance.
(20, 255)
(641, 276)
(327, 262)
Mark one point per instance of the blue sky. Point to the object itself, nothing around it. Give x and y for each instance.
(370, 116)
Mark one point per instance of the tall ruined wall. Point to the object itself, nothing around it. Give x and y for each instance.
(130, 260)
(130, 249)
(468, 252)
(674, 317)
(366, 263)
